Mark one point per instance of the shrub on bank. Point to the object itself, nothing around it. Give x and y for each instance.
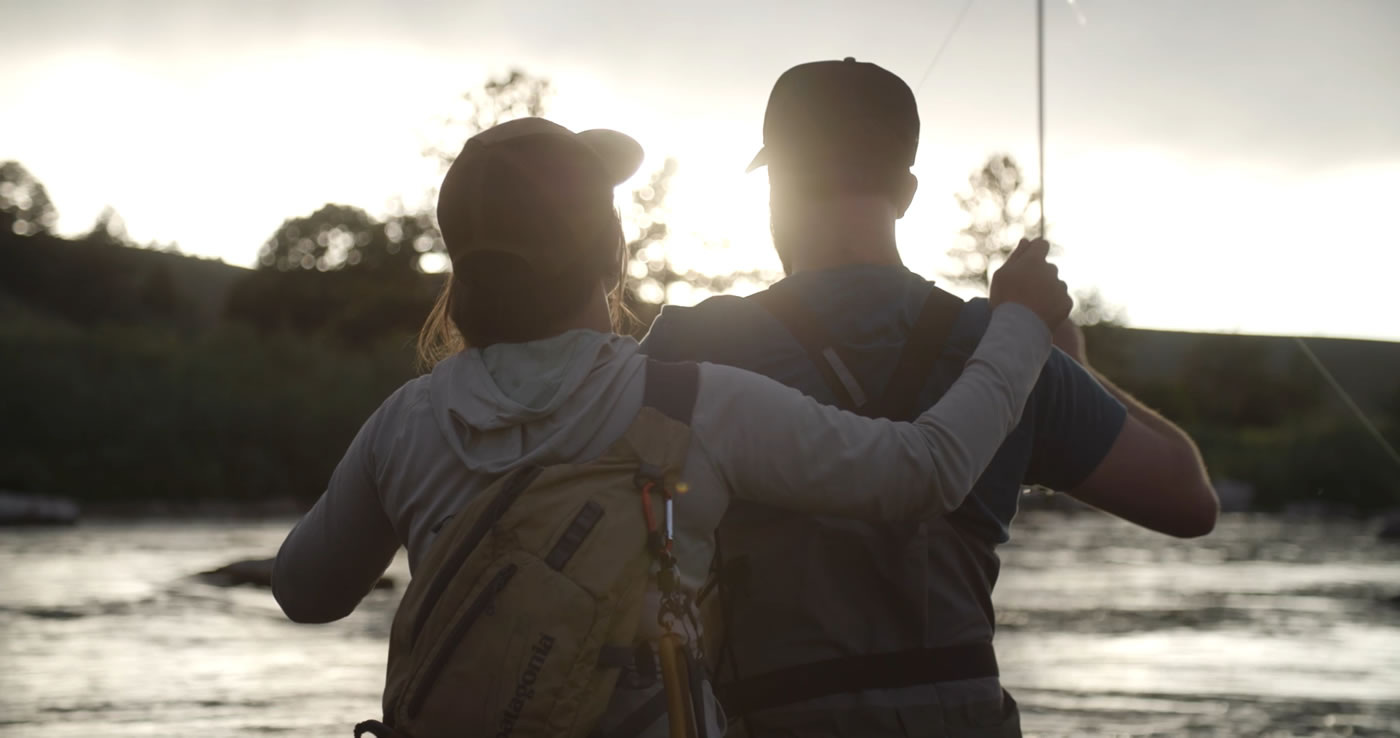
(137, 412)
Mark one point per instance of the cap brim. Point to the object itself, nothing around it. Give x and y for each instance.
(759, 160)
(620, 153)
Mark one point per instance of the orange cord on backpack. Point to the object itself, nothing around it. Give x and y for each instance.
(647, 510)
(673, 679)
(646, 506)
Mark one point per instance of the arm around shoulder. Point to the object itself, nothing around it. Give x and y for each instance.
(773, 445)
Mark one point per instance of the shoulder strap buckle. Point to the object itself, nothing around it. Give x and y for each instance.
(927, 340)
(821, 348)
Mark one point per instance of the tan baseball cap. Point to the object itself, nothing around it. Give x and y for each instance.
(536, 190)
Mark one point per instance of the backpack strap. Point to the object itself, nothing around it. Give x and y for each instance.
(671, 388)
(824, 352)
(911, 667)
(845, 674)
(925, 344)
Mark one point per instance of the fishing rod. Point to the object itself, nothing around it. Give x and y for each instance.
(1040, 144)
(1040, 103)
(1316, 362)
(1040, 81)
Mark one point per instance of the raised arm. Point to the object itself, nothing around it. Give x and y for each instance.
(1153, 474)
(774, 445)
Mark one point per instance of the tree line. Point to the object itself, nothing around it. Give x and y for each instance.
(137, 373)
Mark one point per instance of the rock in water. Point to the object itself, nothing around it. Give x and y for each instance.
(257, 572)
(25, 509)
(1390, 531)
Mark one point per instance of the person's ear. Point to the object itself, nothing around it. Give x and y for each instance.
(904, 192)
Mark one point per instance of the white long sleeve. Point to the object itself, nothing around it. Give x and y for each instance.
(772, 444)
(751, 437)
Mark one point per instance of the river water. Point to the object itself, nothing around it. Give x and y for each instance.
(1268, 627)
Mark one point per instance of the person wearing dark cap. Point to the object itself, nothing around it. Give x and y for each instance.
(527, 371)
(837, 627)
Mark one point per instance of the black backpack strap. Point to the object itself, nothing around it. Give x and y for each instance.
(921, 351)
(640, 719)
(671, 387)
(824, 352)
(376, 729)
(857, 673)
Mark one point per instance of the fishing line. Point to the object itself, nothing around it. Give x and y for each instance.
(948, 37)
(1040, 150)
(1350, 403)
(1040, 79)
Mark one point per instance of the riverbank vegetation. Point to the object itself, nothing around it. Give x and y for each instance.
(135, 374)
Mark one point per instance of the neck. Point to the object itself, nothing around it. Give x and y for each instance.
(836, 233)
(593, 316)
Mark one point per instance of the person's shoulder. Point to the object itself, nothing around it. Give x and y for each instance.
(1075, 423)
(411, 395)
(1064, 375)
(404, 410)
(719, 307)
(693, 332)
(411, 398)
(1074, 408)
(972, 321)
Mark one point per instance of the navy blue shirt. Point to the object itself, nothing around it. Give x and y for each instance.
(1068, 426)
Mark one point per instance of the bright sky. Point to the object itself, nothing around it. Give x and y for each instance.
(1210, 166)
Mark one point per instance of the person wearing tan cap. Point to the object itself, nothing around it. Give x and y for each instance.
(528, 371)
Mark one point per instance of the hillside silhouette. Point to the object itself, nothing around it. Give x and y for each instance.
(134, 375)
(141, 375)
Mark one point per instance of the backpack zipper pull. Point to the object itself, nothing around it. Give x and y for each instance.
(499, 585)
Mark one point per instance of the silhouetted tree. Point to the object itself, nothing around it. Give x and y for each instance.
(516, 94)
(650, 268)
(519, 94)
(25, 208)
(415, 230)
(339, 237)
(345, 237)
(1001, 208)
(1090, 308)
(109, 229)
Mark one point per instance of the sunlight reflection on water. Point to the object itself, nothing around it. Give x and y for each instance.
(1267, 627)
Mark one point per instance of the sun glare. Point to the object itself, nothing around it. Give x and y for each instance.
(216, 156)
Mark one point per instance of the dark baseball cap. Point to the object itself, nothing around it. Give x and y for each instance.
(536, 190)
(839, 113)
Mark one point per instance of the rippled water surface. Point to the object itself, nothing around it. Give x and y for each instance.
(1268, 627)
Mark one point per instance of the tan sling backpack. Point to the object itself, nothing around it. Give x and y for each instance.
(516, 621)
